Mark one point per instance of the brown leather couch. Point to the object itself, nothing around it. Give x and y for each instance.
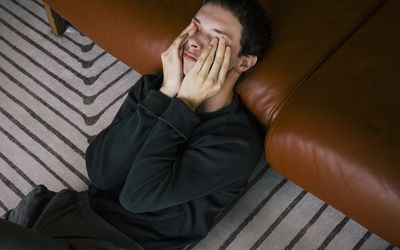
(328, 90)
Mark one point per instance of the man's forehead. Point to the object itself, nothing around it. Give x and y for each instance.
(216, 30)
(219, 20)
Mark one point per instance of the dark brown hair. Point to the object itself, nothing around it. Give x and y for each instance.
(256, 32)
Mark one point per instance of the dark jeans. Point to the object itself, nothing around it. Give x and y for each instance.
(65, 221)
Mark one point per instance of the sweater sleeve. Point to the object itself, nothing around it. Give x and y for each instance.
(111, 153)
(138, 93)
(167, 173)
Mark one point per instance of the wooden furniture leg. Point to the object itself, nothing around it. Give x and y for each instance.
(57, 24)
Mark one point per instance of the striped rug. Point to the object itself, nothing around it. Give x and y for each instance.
(57, 93)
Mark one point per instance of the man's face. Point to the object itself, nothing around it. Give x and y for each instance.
(212, 21)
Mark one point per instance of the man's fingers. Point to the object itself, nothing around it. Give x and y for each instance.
(201, 60)
(178, 41)
(190, 33)
(209, 60)
(225, 65)
(181, 39)
(219, 59)
(177, 44)
(187, 29)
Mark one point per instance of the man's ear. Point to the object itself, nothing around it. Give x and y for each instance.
(246, 63)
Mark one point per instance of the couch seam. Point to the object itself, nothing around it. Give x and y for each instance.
(292, 92)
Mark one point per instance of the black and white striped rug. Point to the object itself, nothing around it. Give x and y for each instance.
(57, 93)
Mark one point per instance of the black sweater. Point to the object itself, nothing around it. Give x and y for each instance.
(161, 173)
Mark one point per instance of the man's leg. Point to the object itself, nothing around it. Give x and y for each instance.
(13, 237)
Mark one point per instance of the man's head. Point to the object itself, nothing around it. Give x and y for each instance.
(243, 23)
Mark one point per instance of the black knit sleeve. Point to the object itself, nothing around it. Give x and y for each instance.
(166, 172)
(112, 152)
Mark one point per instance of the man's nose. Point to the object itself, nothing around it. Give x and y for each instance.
(197, 41)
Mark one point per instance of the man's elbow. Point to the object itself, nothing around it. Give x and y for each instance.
(99, 179)
(136, 201)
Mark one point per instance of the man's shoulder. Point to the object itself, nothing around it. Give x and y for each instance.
(145, 84)
(150, 81)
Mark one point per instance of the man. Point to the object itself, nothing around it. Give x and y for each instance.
(179, 150)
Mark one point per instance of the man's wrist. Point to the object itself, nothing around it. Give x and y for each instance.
(167, 92)
(192, 104)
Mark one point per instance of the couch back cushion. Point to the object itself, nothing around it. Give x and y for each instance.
(339, 134)
(305, 33)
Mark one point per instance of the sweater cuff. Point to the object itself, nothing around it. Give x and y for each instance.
(180, 117)
(155, 102)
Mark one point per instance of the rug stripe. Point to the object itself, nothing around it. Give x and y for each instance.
(39, 18)
(4, 207)
(83, 47)
(17, 170)
(250, 217)
(94, 119)
(43, 122)
(84, 63)
(47, 147)
(53, 75)
(45, 166)
(228, 208)
(238, 214)
(278, 220)
(12, 198)
(48, 106)
(260, 174)
(303, 231)
(13, 176)
(89, 120)
(91, 99)
(361, 242)
(334, 233)
(39, 3)
(11, 186)
(86, 80)
(86, 99)
(56, 112)
(29, 162)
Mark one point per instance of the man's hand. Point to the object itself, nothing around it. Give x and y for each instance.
(172, 63)
(207, 76)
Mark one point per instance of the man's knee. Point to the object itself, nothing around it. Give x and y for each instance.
(14, 236)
